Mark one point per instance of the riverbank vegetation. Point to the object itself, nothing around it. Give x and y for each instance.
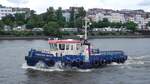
(52, 21)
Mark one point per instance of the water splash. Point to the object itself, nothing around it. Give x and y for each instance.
(132, 60)
(57, 67)
(39, 68)
(138, 60)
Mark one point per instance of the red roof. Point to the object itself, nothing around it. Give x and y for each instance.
(64, 41)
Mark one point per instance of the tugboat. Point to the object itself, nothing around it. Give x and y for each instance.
(73, 53)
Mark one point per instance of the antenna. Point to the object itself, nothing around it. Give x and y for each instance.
(86, 25)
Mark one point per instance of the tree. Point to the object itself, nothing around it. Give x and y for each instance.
(32, 13)
(116, 24)
(19, 19)
(52, 28)
(34, 21)
(50, 14)
(72, 18)
(148, 24)
(79, 20)
(131, 26)
(104, 23)
(8, 20)
(94, 24)
(105, 20)
(1, 24)
(59, 17)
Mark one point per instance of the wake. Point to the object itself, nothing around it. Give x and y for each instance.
(56, 68)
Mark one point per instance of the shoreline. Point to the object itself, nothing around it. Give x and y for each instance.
(23, 38)
(68, 37)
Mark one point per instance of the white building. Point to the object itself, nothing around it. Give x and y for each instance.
(12, 10)
(19, 28)
(37, 30)
(5, 11)
(117, 17)
(99, 17)
(69, 29)
(66, 14)
(112, 17)
(93, 18)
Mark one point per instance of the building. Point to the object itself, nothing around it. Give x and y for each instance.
(66, 14)
(117, 17)
(12, 10)
(19, 28)
(37, 30)
(7, 28)
(5, 11)
(112, 17)
(69, 29)
(138, 19)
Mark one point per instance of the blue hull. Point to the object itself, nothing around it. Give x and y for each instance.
(95, 61)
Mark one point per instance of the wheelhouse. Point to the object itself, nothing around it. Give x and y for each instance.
(68, 46)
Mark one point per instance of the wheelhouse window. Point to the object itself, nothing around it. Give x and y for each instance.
(67, 46)
(77, 46)
(62, 46)
(71, 47)
(53, 46)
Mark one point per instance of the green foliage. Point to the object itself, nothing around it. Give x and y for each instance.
(81, 13)
(116, 25)
(52, 28)
(131, 26)
(101, 24)
(76, 18)
(19, 19)
(1, 24)
(50, 14)
(105, 20)
(60, 18)
(52, 20)
(8, 20)
(1, 32)
(72, 18)
(16, 33)
(21, 33)
(34, 21)
(105, 23)
(148, 24)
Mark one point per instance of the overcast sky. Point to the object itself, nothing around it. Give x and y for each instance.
(41, 5)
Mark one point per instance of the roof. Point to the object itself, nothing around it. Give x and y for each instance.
(64, 41)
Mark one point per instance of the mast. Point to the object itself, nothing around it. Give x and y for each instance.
(86, 26)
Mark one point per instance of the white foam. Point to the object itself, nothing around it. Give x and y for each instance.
(138, 57)
(55, 68)
(129, 62)
(114, 63)
(84, 70)
(25, 66)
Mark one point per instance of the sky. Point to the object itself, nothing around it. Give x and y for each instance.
(40, 6)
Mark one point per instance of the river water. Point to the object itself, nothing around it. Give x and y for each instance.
(135, 71)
